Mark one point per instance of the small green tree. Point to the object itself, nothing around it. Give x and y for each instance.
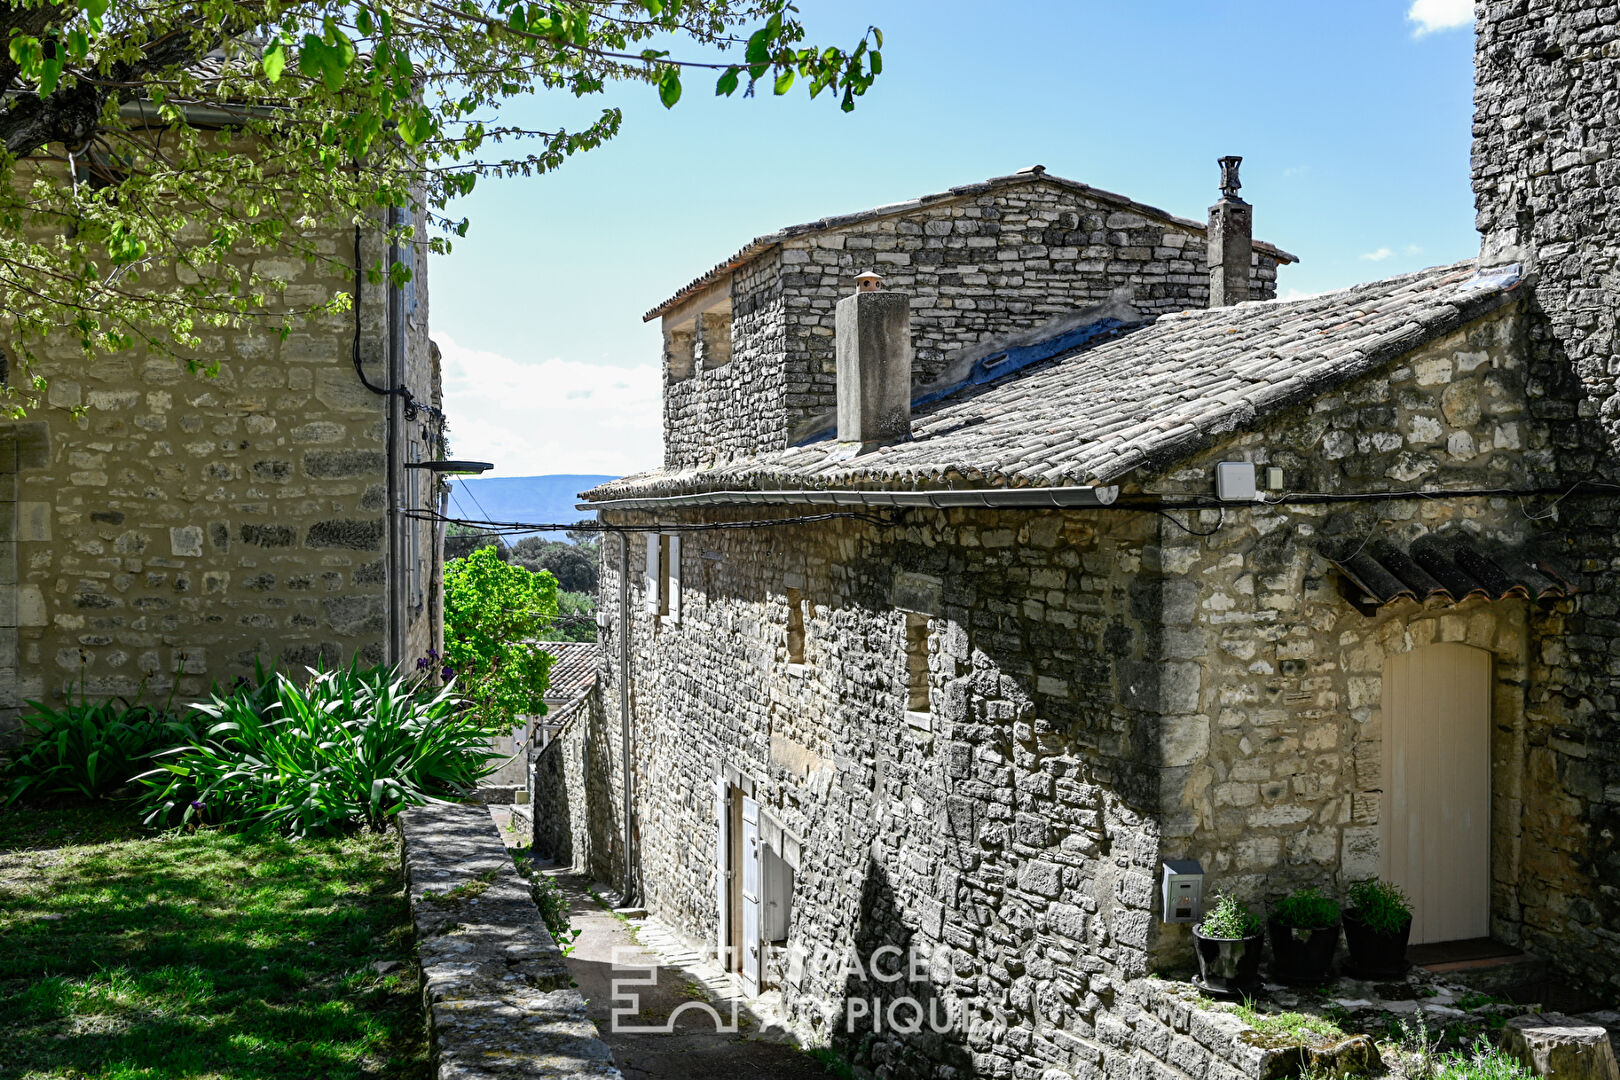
(494, 614)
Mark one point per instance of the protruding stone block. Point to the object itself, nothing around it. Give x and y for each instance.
(1555, 1046)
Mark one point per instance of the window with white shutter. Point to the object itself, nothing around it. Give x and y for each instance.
(652, 577)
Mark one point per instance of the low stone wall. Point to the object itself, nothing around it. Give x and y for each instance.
(498, 993)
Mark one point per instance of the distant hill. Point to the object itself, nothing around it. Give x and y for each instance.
(540, 499)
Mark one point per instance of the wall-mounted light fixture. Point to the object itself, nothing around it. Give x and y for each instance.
(452, 468)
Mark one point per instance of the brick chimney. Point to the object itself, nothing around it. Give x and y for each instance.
(1231, 240)
(873, 344)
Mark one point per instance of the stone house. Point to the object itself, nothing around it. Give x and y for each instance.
(944, 633)
(162, 526)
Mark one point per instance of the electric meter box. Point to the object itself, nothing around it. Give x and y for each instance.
(1183, 890)
(1235, 481)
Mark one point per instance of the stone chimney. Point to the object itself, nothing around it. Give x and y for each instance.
(873, 343)
(1231, 240)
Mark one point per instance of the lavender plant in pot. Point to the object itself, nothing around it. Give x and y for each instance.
(1229, 943)
(1376, 928)
(1304, 930)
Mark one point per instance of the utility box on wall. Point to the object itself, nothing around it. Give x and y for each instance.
(1183, 890)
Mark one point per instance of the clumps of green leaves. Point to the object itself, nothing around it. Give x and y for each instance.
(1379, 905)
(1287, 1028)
(1230, 918)
(554, 911)
(1306, 909)
(346, 748)
(1421, 1058)
(494, 614)
(85, 749)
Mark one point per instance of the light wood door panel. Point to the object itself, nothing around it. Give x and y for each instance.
(1436, 820)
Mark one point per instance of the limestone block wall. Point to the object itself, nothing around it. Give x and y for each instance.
(176, 523)
(1546, 129)
(979, 269)
(1273, 756)
(734, 408)
(1011, 831)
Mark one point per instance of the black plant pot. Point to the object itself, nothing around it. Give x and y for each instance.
(1229, 966)
(1375, 955)
(1302, 956)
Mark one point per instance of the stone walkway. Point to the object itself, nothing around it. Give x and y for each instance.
(676, 1014)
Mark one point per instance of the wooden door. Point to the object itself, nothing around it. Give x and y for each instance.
(1436, 821)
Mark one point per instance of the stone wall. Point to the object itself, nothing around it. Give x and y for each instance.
(1016, 811)
(499, 998)
(1273, 733)
(1106, 689)
(173, 525)
(1546, 129)
(979, 268)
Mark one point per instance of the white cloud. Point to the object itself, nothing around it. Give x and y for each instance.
(1377, 256)
(1432, 15)
(532, 417)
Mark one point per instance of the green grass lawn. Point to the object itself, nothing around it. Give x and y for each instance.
(125, 954)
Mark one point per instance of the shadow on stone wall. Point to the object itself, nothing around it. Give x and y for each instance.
(890, 996)
(553, 819)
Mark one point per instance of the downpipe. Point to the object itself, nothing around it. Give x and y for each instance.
(629, 897)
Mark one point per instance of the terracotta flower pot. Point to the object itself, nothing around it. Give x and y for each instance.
(1302, 956)
(1375, 955)
(1229, 965)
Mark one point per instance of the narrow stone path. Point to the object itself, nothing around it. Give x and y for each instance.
(682, 1043)
(689, 1046)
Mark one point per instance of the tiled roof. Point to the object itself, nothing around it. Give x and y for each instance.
(1448, 566)
(1037, 174)
(574, 671)
(1146, 399)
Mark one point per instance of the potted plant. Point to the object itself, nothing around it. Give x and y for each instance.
(1376, 926)
(1304, 930)
(1229, 944)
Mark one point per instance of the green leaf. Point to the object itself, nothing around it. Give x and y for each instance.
(93, 11)
(877, 62)
(784, 82)
(759, 48)
(669, 87)
(727, 84)
(274, 62)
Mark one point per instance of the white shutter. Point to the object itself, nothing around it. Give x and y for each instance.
(650, 584)
(752, 950)
(722, 871)
(675, 578)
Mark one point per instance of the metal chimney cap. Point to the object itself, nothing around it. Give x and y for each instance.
(868, 282)
(1229, 175)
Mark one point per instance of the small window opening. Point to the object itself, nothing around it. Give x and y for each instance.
(916, 663)
(795, 626)
(778, 912)
(714, 339)
(665, 573)
(680, 352)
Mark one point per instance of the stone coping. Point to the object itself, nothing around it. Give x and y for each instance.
(500, 1000)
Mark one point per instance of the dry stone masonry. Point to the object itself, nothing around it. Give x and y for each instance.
(982, 263)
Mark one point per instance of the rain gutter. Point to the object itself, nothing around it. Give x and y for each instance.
(1033, 498)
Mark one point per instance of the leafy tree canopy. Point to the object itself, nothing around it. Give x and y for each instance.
(494, 614)
(134, 134)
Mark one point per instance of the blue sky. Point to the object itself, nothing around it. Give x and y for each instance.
(1352, 118)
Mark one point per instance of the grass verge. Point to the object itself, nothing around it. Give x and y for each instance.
(130, 956)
